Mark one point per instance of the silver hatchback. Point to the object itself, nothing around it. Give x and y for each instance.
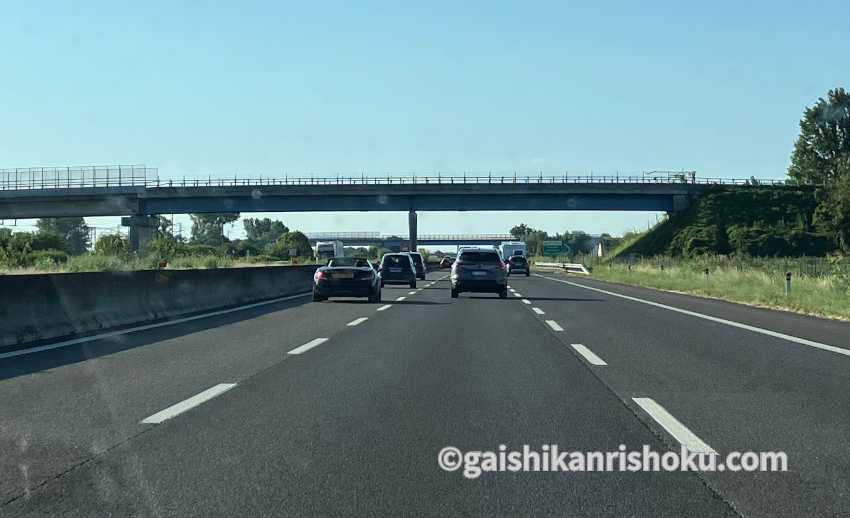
(479, 270)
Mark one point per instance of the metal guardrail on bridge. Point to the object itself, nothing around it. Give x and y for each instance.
(343, 236)
(140, 176)
(30, 178)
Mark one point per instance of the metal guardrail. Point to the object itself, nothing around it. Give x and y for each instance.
(342, 236)
(77, 177)
(141, 176)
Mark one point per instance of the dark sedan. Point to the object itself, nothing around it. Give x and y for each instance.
(347, 277)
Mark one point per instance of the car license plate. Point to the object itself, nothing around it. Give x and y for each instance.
(395, 270)
(479, 273)
(343, 275)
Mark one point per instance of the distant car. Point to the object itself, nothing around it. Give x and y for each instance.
(347, 277)
(479, 270)
(420, 265)
(446, 263)
(518, 263)
(398, 269)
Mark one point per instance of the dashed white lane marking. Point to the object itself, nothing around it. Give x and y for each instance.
(526, 301)
(589, 355)
(768, 332)
(387, 306)
(538, 311)
(674, 427)
(309, 345)
(357, 321)
(75, 341)
(188, 404)
(399, 299)
(518, 294)
(554, 325)
(411, 292)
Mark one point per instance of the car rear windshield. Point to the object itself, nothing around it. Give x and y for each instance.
(518, 260)
(479, 257)
(416, 258)
(396, 261)
(348, 261)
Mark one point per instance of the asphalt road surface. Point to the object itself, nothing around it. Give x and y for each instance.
(252, 413)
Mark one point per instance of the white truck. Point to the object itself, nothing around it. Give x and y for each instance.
(329, 249)
(511, 248)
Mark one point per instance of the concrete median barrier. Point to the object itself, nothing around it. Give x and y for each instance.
(48, 306)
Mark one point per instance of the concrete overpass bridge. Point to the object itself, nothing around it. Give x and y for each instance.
(139, 192)
(395, 242)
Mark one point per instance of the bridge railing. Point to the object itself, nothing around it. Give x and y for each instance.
(343, 236)
(77, 177)
(141, 176)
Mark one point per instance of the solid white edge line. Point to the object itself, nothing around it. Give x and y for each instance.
(768, 332)
(526, 301)
(538, 311)
(386, 306)
(399, 299)
(554, 325)
(84, 339)
(309, 345)
(674, 427)
(188, 404)
(589, 355)
(357, 321)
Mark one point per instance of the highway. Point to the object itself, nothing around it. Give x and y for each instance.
(340, 408)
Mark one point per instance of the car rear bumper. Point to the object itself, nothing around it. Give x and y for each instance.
(356, 288)
(398, 278)
(480, 285)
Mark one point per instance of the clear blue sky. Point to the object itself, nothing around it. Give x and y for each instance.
(263, 87)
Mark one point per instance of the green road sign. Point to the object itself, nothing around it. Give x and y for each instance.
(555, 248)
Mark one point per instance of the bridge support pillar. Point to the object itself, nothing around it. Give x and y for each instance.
(411, 225)
(141, 231)
(681, 202)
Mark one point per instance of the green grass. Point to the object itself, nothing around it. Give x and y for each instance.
(826, 295)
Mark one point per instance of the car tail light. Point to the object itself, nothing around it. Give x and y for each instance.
(320, 275)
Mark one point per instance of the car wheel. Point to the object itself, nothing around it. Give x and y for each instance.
(527, 274)
(503, 294)
(454, 293)
(413, 285)
(317, 297)
(382, 284)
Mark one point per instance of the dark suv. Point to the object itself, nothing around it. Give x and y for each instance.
(420, 264)
(518, 263)
(479, 270)
(398, 269)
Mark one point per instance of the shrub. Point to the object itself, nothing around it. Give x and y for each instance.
(47, 257)
(97, 263)
(112, 244)
(163, 248)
